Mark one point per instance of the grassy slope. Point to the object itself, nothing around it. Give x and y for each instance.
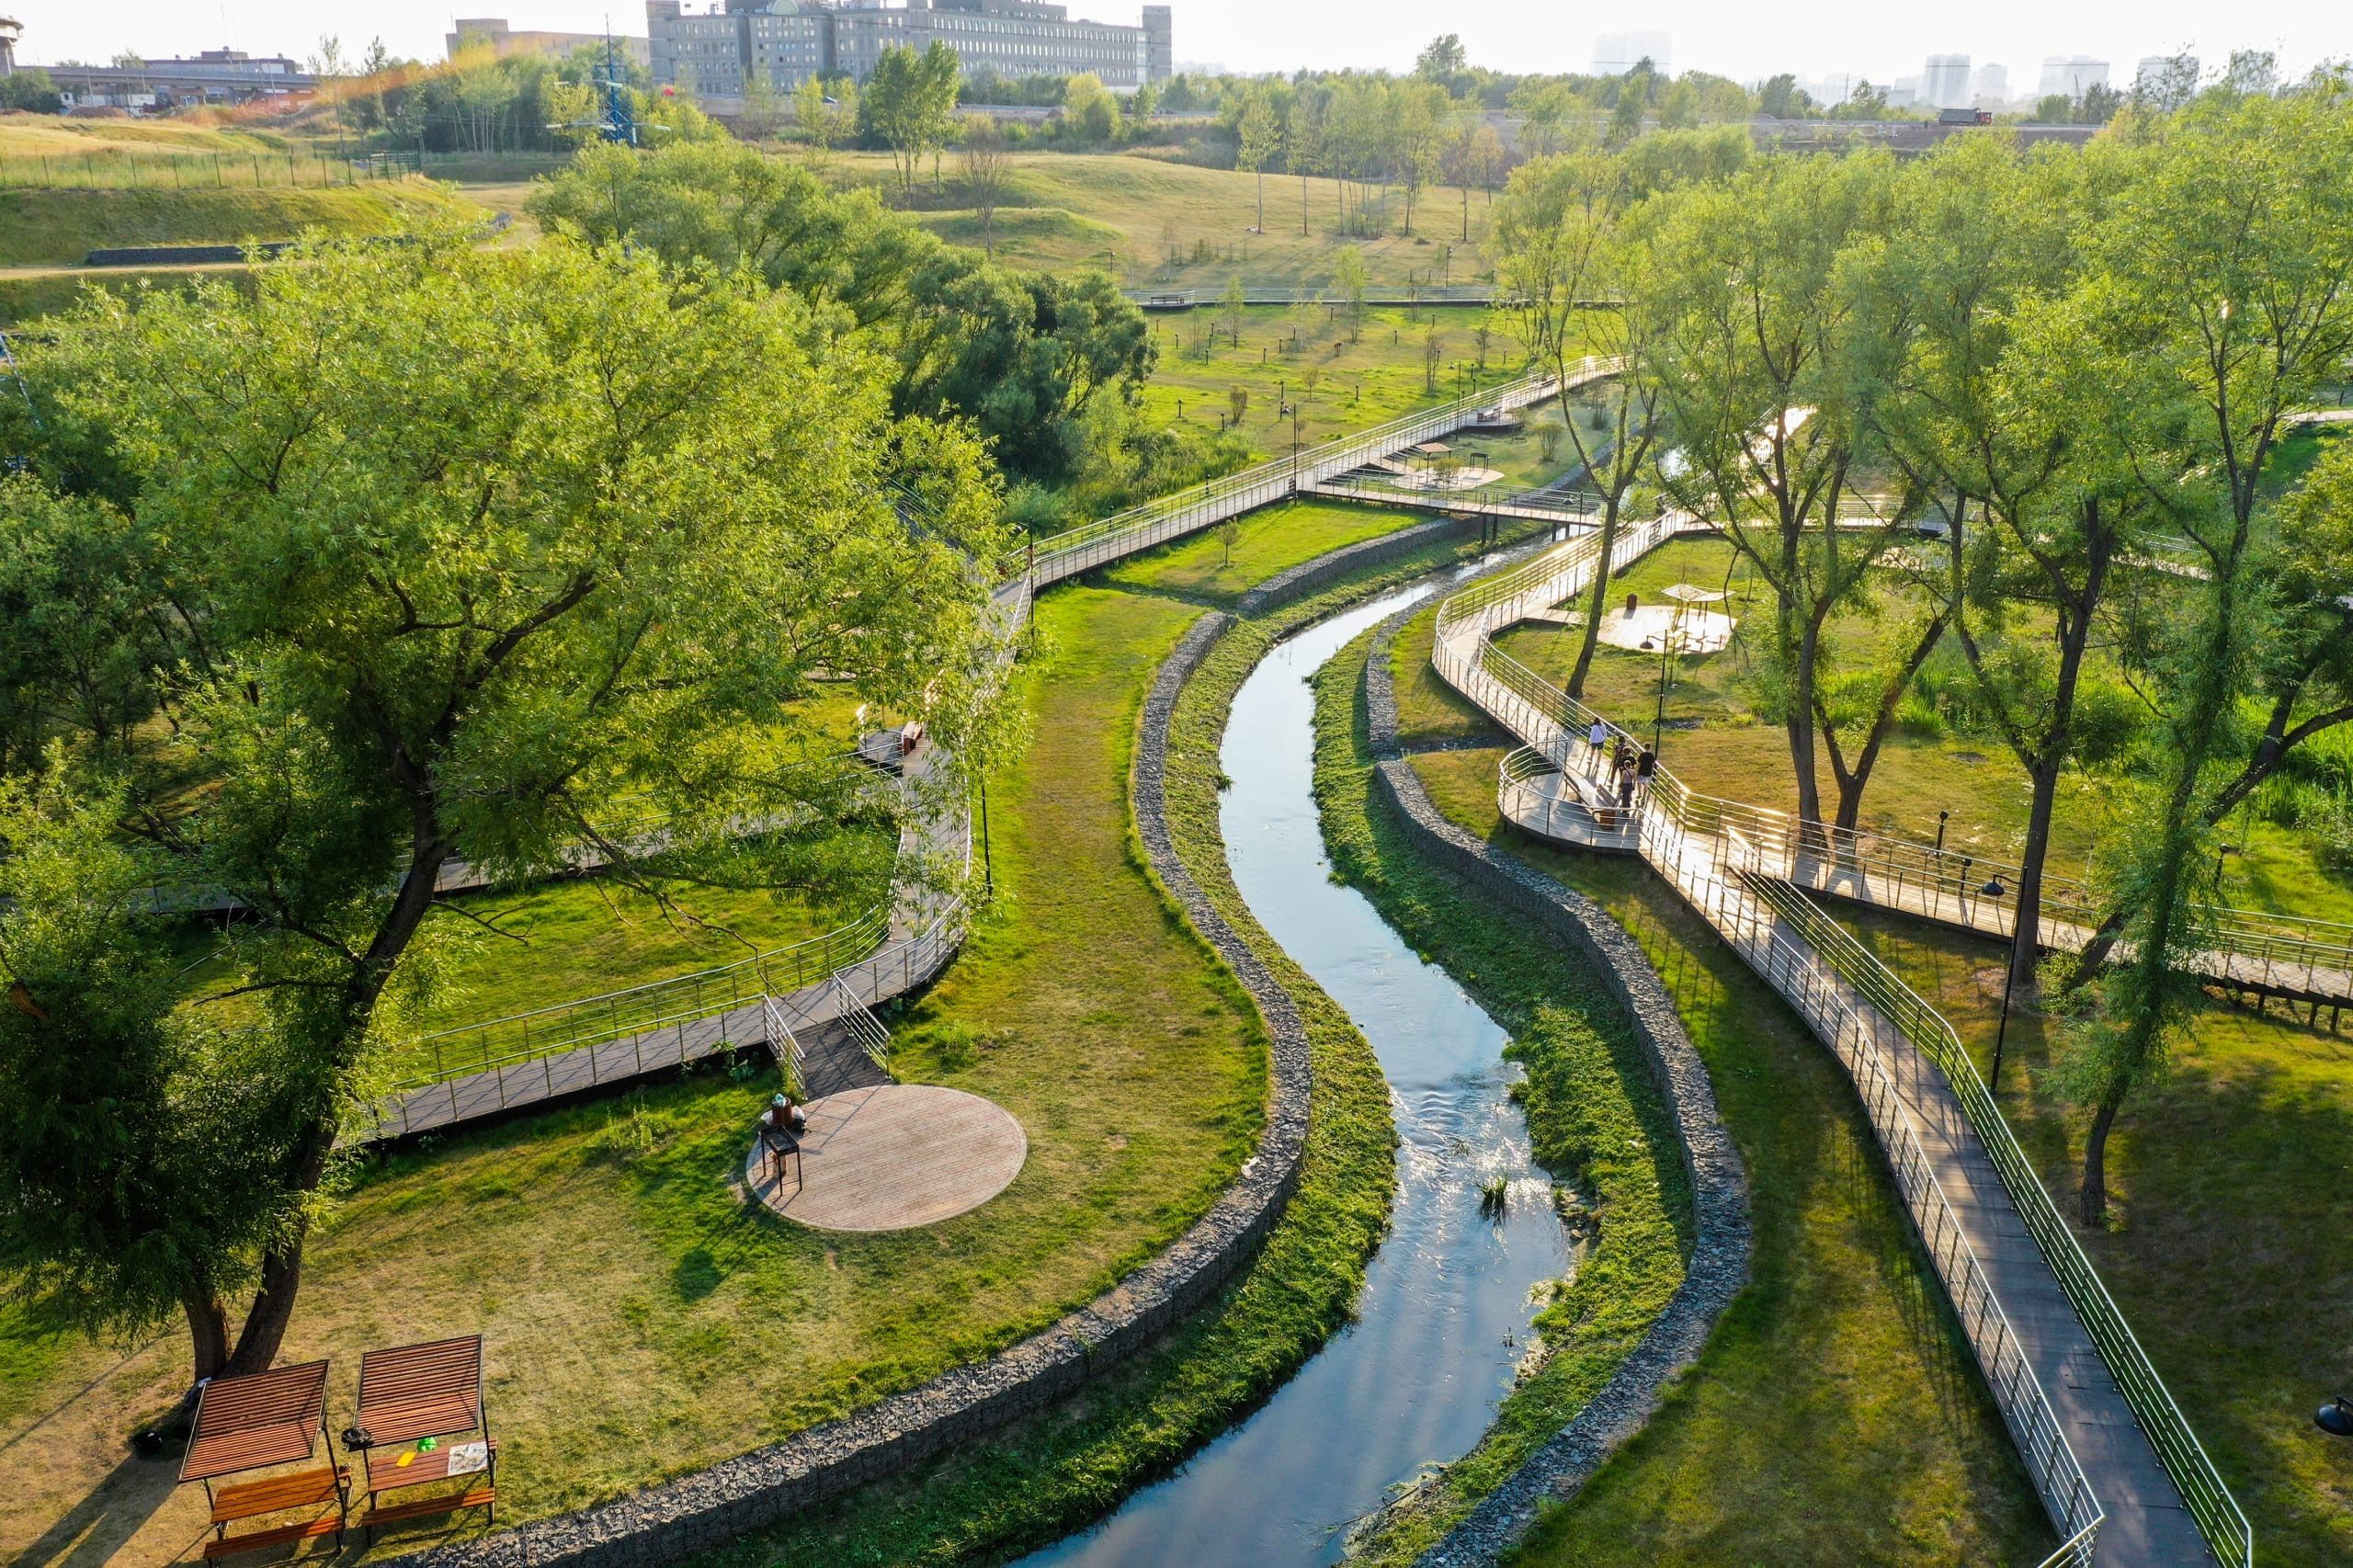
(640, 1321)
(1128, 213)
(2227, 1178)
(58, 227)
(1836, 1415)
(1594, 1116)
(1267, 541)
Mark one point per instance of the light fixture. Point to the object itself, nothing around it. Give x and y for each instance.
(2336, 1418)
(1995, 889)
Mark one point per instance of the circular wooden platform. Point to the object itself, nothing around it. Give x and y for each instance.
(891, 1157)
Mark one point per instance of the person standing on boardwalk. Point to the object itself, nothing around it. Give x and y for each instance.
(1597, 736)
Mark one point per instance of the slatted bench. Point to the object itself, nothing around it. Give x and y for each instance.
(380, 1514)
(326, 1484)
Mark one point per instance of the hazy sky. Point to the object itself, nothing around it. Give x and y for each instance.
(1740, 38)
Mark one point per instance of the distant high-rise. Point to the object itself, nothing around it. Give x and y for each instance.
(2167, 80)
(1945, 82)
(1989, 86)
(2068, 76)
(1614, 54)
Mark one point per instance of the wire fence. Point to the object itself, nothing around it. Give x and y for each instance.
(297, 168)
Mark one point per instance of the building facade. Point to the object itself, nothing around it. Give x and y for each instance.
(1945, 84)
(504, 41)
(2067, 76)
(719, 49)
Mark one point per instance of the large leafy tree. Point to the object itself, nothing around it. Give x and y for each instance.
(482, 545)
(1760, 331)
(1019, 353)
(2222, 299)
(1566, 251)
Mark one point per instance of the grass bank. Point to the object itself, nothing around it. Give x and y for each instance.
(1836, 1415)
(51, 228)
(641, 1320)
(1043, 1478)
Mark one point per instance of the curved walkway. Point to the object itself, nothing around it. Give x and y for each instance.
(2117, 1468)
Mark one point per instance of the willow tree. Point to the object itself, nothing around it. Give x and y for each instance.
(1761, 337)
(2221, 297)
(1568, 256)
(489, 550)
(1982, 379)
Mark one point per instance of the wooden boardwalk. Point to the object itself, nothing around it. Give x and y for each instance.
(891, 1157)
(2148, 1523)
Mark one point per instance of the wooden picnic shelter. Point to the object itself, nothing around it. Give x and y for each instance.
(412, 1400)
(257, 1422)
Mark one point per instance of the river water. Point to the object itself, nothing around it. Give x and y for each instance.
(1444, 1314)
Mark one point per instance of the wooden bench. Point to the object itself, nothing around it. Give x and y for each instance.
(278, 1494)
(382, 1513)
(281, 1535)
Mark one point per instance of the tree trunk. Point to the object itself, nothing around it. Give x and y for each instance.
(1596, 598)
(1800, 726)
(273, 1308)
(2093, 1196)
(207, 1327)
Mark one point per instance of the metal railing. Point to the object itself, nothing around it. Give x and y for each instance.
(1156, 522)
(1673, 820)
(786, 1047)
(863, 1026)
(1568, 506)
(1290, 294)
(1815, 990)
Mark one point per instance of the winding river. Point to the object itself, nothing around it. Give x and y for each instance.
(1444, 1314)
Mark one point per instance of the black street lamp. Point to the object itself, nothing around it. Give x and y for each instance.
(1996, 891)
(2336, 1418)
(1942, 817)
(1658, 714)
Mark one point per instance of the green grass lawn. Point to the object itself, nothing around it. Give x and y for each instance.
(1152, 220)
(1359, 380)
(640, 1321)
(57, 227)
(2227, 1181)
(1269, 540)
(1836, 1415)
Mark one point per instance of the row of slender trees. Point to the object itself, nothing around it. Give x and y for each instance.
(2075, 363)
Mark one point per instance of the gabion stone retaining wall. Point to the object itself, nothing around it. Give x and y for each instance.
(1719, 1263)
(753, 1490)
(1333, 565)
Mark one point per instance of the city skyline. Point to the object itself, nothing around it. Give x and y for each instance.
(1841, 39)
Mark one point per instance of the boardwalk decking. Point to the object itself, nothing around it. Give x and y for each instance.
(892, 1156)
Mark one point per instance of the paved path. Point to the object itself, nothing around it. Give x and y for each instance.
(889, 1157)
(2147, 1522)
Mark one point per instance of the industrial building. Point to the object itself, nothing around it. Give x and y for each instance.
(504, 41)
(717, 48)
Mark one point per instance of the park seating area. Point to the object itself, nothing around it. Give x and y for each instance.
(413, 1400)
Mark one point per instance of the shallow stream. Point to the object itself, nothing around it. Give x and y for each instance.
(1444, 1314)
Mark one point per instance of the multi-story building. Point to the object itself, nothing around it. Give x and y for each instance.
(1989, 87)
(1614, 54)
(718, 49)
(1945, 84)
(504, 41)
(2067, 76)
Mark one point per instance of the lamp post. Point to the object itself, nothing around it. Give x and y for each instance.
(1658, 714)
(1942, 817)
(1996, 891)
(2336, 1418)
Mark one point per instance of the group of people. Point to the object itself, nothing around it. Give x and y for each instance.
(1631, 767)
